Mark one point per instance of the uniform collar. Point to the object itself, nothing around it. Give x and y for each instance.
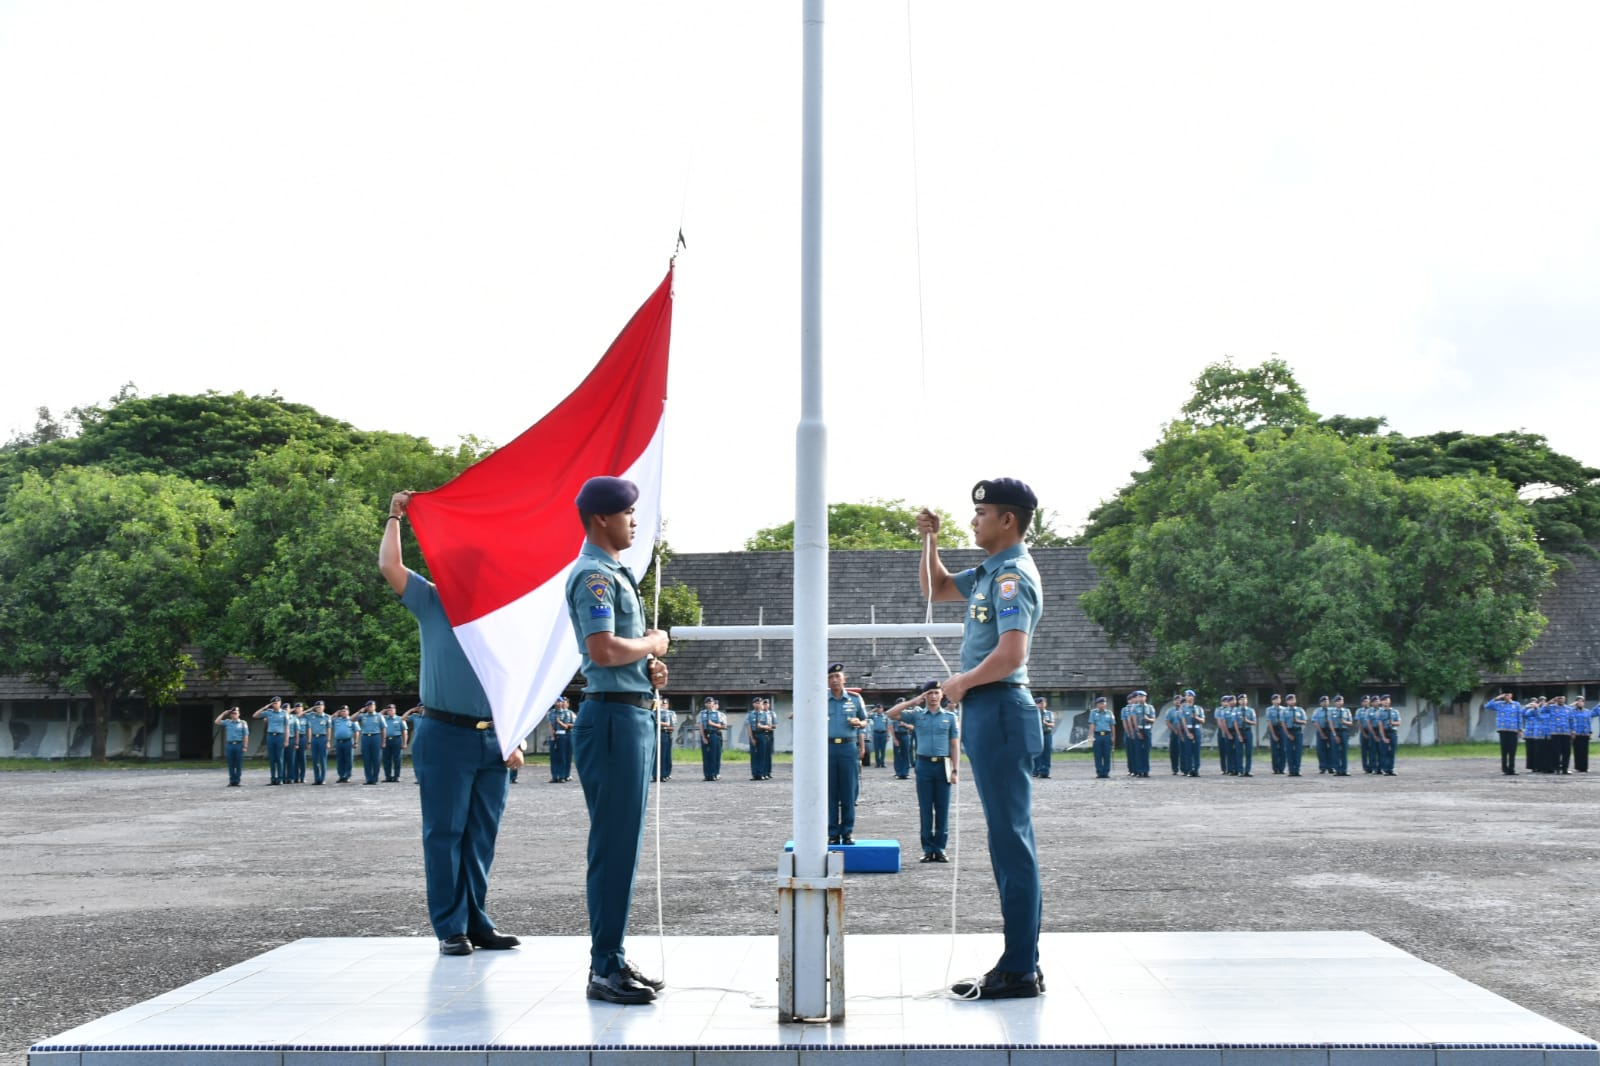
(600, 556)
(1002, 557)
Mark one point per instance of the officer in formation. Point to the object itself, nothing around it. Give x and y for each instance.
(713, 724)
(1272, 721)
(235, 735)
(1245, 729)
(1367, 736)
(562, 721)
(880, 734)
(666, 728)
(1508, 724)
(1005, 600)
(1191, 723)
(864, 744)
(343, 730)
(938, 759)
(298, 738)
(394, 742)
(1319, 722)
(1102, 724)
(1136, 733)
(369, 723)
(1582, 719)
(277, 719)
(1047, 722)
(846, 715)
(1227, 741)
(316, 720)
(904, 738)
(1385, 719)
(1294, 721)
(762, 724)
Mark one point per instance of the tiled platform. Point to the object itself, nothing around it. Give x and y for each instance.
(1114, 999)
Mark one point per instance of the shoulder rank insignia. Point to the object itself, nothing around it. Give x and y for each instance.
(597, 584)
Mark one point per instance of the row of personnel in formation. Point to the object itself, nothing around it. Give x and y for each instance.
(1557, 734)
(298, 737)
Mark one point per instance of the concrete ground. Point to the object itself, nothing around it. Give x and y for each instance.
(120, 885)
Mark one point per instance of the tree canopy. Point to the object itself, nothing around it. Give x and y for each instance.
(874, 524)
(1300, 549)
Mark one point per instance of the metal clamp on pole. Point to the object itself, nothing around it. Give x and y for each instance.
(794, 893)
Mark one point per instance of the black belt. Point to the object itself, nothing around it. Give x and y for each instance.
(465, 721)
(839, 740)
(995, 685)
(632, 699)
(1105, 734)
(932, 758)
(234, 742)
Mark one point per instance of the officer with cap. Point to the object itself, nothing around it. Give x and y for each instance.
(615, 737)
(1227, 741)
(1294, 722)
(316, 720)
(1004, 601)
(1339, 720)
(761, 724)
(1386, 726)
(1319, 721)
(369, 724)
(938, 759)
(1244, 727)
(1272, 719)
(846, 714)
(904, 739)
(297, 740)
(879, 722)
(342, 728)
(713, 723)
(667, 720)
(1364, 730)
(235, 734)
(461, 775)
(562, 720)
(394, 742)
(1101, 726)
(1508, 723)
(277, 718)
(1173, 717)
(1194, 724)
(1047, 724)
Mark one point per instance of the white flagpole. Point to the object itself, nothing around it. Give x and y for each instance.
(810, 943)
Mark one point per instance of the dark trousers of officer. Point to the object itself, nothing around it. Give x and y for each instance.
(296, 757)
(1145, 743)
(319, 758)
(1580, 753)
(1384, 756)
(1190, 762)
(1339, 751)
(1175, 752)
(614, 745)
(844, 772)
(1367, 760)
(560, 756)
(1130, 751)
(1041, 765)
(1275, 746)
(1508, 751)
(761, 755)
(933, 799)
(880, 745)
(1102, 754)
(1292, 748)
(391, 758)
(902, 756)
(1322, 752)
(664, 765)
(344, 758)
(233, 750)
(462, 782)
(1247, 749)
(1561, 753)
(1224, 752)
(371, 756)
(275, 756)
(1002, 739)
(711, 753)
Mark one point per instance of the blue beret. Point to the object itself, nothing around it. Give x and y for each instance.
(1005, 490)
(708, 701)
(370, 703)
(1227, 696)
(928, 685)
(1098, 700)
(607, 495)
(836, 668)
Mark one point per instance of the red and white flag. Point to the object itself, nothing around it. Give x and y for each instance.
(501, 537)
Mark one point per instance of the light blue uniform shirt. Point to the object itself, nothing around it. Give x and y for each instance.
(234, 729)
(880, 722)
(603, 598)
(446, 680)
(369, 722)
(1247, 717)
(393, 725)
(277, 720)
(1294, 716)
(1003, 594)
(935, 730)
(840, 710)
(317, 722)
(713, 722)
(1507, 714)
(344, 728)
(1100, 721)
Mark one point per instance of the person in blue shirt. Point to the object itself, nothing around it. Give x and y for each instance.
(316, 721)
(762, 725)
(713, 726)
(1294, 727)
(1508, 725)
(1319, 722)
(235, 735)
(668, 723)
(1244, 728)
(343, 730)
(1005, 600)
(1385, 719)
(369, 727)
(880, 734)
(394, 742)
(1580, 717)
(847, 713)
(1193, 717)
(1132, 738)
(1047, 723)
(297, 739)
(1560, 736)
(614, 741)
(277, 719)
(1173, 717)
(938, 761)
(905, 748)
(461, 775)
(1272, 722)
(562, 722)
(1533, 733)
(1364, 731)
(1226, 741)
(1101, 726)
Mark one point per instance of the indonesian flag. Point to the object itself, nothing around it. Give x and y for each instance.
(501, 537)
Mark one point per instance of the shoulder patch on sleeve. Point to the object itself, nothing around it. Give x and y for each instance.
(596, 583)
(1008, 584)
(600, 610)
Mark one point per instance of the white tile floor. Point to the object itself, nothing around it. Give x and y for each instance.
(1114, 999)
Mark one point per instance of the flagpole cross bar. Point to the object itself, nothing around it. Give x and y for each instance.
(836, 631)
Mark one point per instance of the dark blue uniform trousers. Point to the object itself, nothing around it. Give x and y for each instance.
(371, 755)
(1292, 747)
(234, 750)
(345, 752)
(391, 758)
(711, 753)
(1002, 736)
(844, 771)
(275, 755)
(615, 744)
(1102, 755)
(760, 754)
(560, 756)
(462, 781)
(1247, 750)
(1041, 765)
(933, 797)
(319, 758)
(902, 756)
(666, 754)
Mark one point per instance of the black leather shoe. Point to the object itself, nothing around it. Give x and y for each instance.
(493, 941)
(1000, 984)
(939, 856)
(847, 839)
(619, 988)
(633, 972)
(928, 858)
(456, 945)
(833, 840)
(1039, 974)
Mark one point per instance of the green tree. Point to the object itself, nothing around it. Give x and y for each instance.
(1248, 397)
(1041, 531)
(104, 579)
(875, 524)
(679, 604)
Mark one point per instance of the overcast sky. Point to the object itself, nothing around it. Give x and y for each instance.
(433, 218)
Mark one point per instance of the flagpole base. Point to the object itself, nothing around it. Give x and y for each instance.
(811, 942)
